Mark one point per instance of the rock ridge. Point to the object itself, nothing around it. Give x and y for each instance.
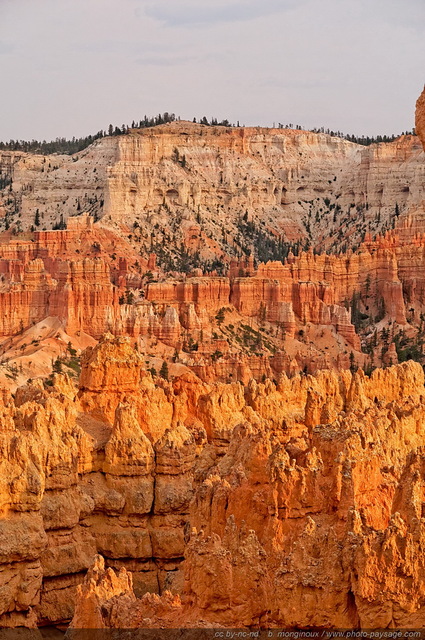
(179, 476)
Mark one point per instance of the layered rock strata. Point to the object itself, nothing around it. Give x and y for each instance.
(278, 477)
(311, 518)
(76, 276)
(85, 292)
(194, 183)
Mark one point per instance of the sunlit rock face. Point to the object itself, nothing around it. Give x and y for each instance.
(193, 184)
(306, 510)
(185, 484)
(420, 117)
(280, 498)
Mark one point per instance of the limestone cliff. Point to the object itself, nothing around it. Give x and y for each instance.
(218, 189)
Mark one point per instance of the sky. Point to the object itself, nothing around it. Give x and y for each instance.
(72, 67)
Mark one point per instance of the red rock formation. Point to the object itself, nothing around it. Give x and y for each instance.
(74, 483)
(296, 502)
(99, 292)
(280, 478)
(420, 117)
(308, 290)
(209, 293)
(310, 519)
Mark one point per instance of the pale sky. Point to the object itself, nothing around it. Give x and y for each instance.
(71, 67)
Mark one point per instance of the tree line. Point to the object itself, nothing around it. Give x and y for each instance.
(364, 140)
(74, 145)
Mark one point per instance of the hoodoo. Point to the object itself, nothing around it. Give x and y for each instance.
(212, 381)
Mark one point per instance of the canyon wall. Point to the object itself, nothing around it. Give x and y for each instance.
(176, 206)
(43, 277)
(314, 524)
(190, 183)
(80, 475)
(420, 117)
(276, 498)
(55, 185)
(92, 281)
(289, 504)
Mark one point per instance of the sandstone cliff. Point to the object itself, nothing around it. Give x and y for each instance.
(311, 518)
(420, 117)
(308, 313)
(276, 477)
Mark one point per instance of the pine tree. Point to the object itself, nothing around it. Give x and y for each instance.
(57, 365)
(164, 370)
(220, 316)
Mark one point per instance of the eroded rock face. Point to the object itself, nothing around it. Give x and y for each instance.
(420, 117)
(301, 299)
(292, 502)
(311, 519)
(111, 372)
(278, 477)
(184, 193)
(207, 176)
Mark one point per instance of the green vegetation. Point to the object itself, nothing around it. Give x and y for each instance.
(190, 345)
(74, 145)
(220, 316)
(163, 372)
(409, 348)
(69, 364)
(173, 258)
(13, 372)
(60, 225)
(358, 319)
(254, 340)
(5, 181)
(57, 365)
(128, 298)
(216, 355)
(266, 245)
(363, 140)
